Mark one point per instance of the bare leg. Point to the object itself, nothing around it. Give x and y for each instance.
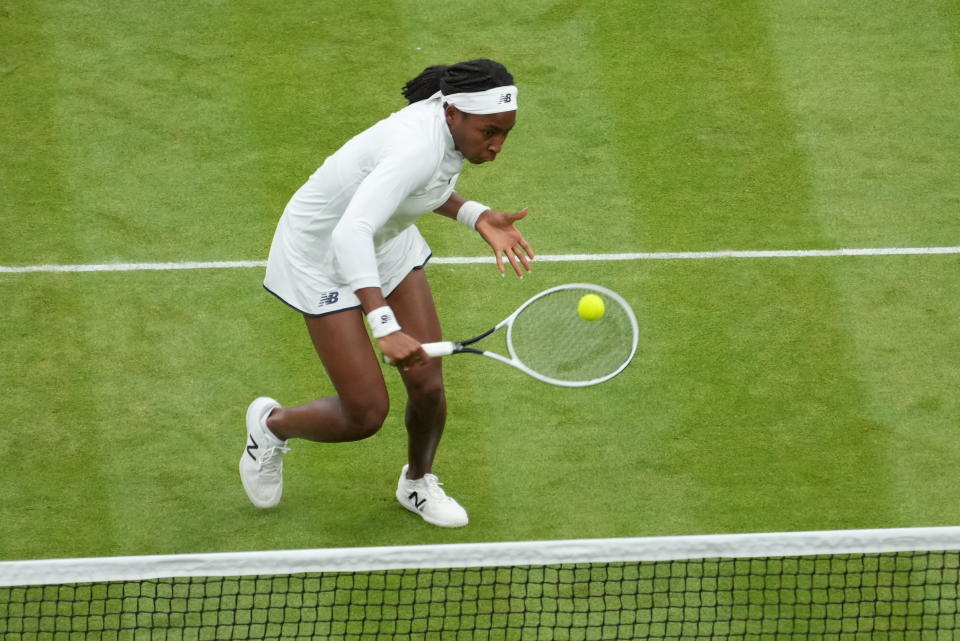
(426, 411)
(361, 404)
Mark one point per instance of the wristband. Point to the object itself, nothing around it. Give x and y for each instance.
(469, 213)
(382, 322)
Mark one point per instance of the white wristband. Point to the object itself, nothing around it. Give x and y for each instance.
(382, 322)
(469, 213)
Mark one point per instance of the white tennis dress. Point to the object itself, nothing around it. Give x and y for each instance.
(351, 225)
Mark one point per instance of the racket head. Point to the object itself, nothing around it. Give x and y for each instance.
(548, 339)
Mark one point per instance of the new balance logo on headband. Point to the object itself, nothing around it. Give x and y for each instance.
(489, 101)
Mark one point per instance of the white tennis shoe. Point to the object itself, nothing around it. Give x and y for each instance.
(425, 497)
(261, 464)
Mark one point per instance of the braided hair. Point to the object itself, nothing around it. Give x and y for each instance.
(464, 77)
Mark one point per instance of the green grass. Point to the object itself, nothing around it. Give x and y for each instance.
(767, 395)
(787, 394)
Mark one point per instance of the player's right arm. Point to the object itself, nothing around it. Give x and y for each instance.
(375, 200)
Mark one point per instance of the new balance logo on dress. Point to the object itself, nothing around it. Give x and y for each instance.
(329, 298)
(505, 98)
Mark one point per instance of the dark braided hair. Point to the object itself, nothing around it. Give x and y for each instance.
(464, 77)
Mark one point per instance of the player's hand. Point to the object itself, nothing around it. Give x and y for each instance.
(401, 350)
(500, 231)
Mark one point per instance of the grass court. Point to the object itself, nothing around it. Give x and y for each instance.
(768, 394)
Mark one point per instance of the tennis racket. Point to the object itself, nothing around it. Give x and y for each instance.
(547, 338)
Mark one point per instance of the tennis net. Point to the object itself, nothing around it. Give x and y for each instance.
(843, 585)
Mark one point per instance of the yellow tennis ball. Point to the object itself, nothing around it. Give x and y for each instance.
(590, 307)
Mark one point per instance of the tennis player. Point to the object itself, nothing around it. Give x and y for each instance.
(346, 249)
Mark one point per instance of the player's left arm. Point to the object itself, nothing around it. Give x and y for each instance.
(499, 230)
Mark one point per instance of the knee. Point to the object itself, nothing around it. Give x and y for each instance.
(366, 421)
(426, 389)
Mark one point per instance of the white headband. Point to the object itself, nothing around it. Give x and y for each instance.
(491, 101)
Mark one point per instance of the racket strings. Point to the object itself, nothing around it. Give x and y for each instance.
(551, 338)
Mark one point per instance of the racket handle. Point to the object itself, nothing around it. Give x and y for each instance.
(433, 350)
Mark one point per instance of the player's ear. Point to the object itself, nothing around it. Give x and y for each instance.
(451, 113)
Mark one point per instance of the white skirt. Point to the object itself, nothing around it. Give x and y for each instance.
(314, 285)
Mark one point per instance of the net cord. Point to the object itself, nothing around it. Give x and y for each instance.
(361, 559)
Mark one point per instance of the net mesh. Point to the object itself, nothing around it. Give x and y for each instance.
(550, 337)
(896, 596)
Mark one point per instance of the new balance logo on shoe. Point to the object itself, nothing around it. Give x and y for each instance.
(425, 498)
(417, 501)
(252, 447)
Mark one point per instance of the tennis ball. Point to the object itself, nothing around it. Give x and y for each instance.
(590, 307)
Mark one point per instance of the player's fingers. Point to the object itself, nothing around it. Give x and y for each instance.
(518, 251)
(422, 356)
(520, 215)
(418, 357)
(401, 362)
(499, 259)
(512, 257)
(522, 256)
(526, 247)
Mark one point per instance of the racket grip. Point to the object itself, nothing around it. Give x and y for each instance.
(433, 350)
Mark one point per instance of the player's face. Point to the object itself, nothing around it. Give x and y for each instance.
(479, 137)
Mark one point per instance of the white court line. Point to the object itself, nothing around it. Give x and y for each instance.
(133, 267)
(546, 258)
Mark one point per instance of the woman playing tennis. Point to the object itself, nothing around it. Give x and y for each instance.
(346, 249)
